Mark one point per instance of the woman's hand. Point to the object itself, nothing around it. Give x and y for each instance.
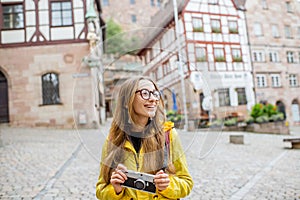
(118, 177)
(161, 180)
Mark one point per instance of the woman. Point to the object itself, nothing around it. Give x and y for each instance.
(140, 140)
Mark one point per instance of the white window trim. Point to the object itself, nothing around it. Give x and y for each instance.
(276, 80)
(261, 80)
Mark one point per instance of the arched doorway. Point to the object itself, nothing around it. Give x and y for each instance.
(281, 108)
(295, 111)
(4, 117)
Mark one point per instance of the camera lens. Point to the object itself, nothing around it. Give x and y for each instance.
(139, 184)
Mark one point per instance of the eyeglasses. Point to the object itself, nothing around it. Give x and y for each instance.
(145, 94)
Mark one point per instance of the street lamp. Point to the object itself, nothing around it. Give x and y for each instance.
(180, 68)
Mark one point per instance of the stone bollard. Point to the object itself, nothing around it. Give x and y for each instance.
(236, 139)
(191, 126)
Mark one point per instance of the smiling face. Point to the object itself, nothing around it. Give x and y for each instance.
(145, 108)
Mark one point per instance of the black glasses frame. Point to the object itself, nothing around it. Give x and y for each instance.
(155, 93)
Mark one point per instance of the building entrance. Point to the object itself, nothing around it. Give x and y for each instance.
(4, 118)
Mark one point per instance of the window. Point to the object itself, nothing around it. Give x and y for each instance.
(61, 13)
(152, 3)
(50, 87)
(219, 55)
(298, 32)
(197, 25)
(233, 27)
(275, 31)
(258, 56)
(261, 80)
(215, 26)
(241, 94)
(132, 1)
(133, 18)
(13, 16)
(236, 55)
(288, 31)
(213, 2)
(275, 80)
(257, 29)
(288, 6)
(290, 57)
(167, 68)
(159, 3)
(293, 80)
(105, 2)
(201, 54)
(264, 4)
(274, 56)
(224, 98)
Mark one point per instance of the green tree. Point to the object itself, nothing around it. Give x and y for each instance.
(117, 42)
(114, 38)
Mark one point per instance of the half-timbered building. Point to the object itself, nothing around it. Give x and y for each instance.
(46, 77)
(204, 56)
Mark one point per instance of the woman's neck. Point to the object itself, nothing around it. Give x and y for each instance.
(140, 125)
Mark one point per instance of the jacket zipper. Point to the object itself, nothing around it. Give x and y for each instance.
(136, 161)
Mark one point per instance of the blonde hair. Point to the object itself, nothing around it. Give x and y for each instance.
(154, 141)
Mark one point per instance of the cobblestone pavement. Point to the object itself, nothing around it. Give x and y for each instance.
(64, 164)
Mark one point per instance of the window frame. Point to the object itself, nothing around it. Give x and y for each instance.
(14, 15)
(264, 4)
(261, 81)
(275, 80)
(224, 97)
(196, 28)
(275, 31)
(274, 56)
(258, 56)
(221, 57)
(235, 29)
(258, 30)
(293, 78)
(218, 28)
(63, 23)
(288, 6)
(241, 95)
(238, 58)
(200, 57)
(54, 90)
(288, 32)
(133, 18)
(290, 57)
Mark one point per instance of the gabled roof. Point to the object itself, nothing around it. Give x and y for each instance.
(240, 4)
(165, 16)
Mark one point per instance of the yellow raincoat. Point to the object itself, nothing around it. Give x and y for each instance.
(180, 185)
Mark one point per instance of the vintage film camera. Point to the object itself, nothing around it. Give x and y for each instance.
(140, 181)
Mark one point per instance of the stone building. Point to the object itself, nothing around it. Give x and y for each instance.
(274, 36)
(43, 79)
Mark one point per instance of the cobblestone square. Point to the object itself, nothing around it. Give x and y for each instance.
(64, 164)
